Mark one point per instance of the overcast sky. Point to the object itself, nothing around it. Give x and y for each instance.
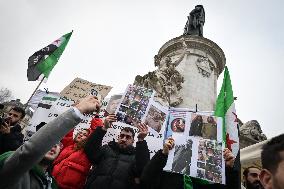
(114, 40)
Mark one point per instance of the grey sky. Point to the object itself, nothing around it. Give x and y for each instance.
(113, 41)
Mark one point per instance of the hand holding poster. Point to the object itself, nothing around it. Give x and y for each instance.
(198, 150)
(137, 106)
(134, 104)
(80, 88)
(52, 105)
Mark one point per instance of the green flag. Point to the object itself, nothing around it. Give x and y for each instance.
(188, 182)
(225, 108)
(43, 61)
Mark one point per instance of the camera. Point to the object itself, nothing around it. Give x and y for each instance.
(2, 119)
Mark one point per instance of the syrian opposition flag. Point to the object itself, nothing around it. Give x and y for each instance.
(42, 62)
(225, 108)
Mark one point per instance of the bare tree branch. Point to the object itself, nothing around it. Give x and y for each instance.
(5, 95)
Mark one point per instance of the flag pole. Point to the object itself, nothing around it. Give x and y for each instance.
(34, 92)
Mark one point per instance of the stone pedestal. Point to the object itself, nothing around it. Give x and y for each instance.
(200, 61)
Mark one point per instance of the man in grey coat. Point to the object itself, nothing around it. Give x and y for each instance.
(25, 168)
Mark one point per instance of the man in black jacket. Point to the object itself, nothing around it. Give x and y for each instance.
(118, 165)
(10, 131)
(153, 176)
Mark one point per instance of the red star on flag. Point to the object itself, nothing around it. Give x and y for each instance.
(57, 41)
(229, 142)
(236, 117)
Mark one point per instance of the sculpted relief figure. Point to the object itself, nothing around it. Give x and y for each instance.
(252, 130)
(166, 80)
(205, 67)
(195, 21)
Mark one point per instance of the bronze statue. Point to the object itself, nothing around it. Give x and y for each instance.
(195, 22)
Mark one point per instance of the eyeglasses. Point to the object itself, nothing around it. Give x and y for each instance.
(128, 137)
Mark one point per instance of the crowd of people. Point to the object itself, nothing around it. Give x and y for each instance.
(53, 158)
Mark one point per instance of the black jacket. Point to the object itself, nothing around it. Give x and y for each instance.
(11, 141)
(153, 177)
(115, 168)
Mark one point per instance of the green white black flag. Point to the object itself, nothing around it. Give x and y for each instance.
(225, 108)
(42, 62)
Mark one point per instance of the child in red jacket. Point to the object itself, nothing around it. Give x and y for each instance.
(71, 167)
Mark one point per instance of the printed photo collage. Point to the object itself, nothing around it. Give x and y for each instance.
(134, 105)
(198, 150)
(182, 158)
(155, 118)
(209, 162)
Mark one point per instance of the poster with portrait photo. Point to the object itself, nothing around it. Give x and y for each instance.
(154, 139)
(182, 158)
(113, 103)
(156, 117)
(134, 104)
(204, 126)
(206, 156)
(177, 121)
(201, 173)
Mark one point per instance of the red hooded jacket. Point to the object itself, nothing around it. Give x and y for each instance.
(71, 167)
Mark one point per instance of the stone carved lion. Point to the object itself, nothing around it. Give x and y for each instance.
(252, 130)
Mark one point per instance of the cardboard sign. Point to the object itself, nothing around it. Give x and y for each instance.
(80, 88)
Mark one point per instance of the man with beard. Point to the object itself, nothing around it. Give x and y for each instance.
(118, 165)
(10, 131)
(272, 158)
(251, 178)
(28, 166)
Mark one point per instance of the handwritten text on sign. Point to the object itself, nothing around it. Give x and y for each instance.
(80, 88)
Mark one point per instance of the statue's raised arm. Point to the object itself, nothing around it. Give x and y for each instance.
(195, 21)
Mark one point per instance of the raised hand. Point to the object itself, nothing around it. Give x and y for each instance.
(143, 131)
(88, 104)
(5, 128)
(168, 145)
(229, 158)
(109, 120)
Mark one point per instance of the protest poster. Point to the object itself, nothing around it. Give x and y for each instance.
(198, 150)
(37, 97)
(113, 102)
(80, 88)
(40, 116)
(155, 118)
(134, 104)
(50, 107)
